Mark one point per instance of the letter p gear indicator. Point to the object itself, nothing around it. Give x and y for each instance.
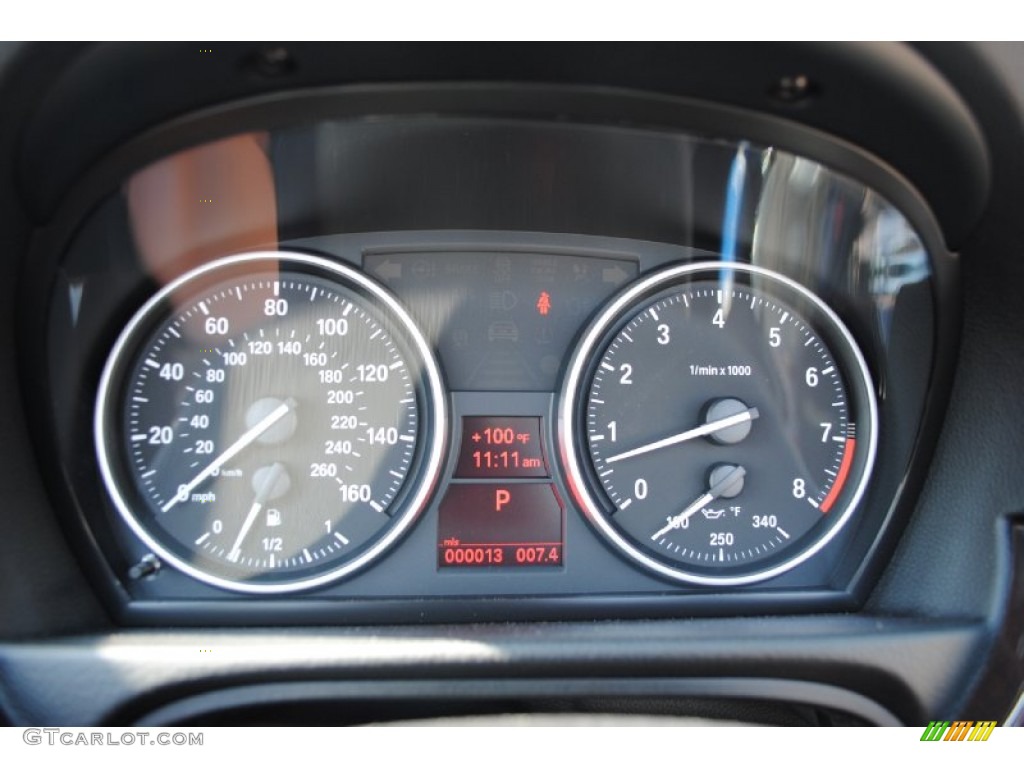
(502, 497)
(495, 514)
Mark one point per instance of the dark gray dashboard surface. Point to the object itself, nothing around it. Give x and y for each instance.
(900, 664)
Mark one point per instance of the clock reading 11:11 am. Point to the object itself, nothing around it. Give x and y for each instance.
(506, 447)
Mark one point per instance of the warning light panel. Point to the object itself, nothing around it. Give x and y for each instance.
(501, 447)
(544, 303)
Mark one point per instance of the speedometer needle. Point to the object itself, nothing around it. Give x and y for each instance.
(704, 429)
(236, 447)
(710, 495)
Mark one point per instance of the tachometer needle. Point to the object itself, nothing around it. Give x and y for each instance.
(704, 429)
(710, 495)
(264, 493)
(236, 447)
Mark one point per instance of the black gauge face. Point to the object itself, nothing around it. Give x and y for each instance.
(718, 424)
(270, 422)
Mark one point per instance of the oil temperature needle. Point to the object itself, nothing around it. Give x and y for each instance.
(236, 447)
(710, 495)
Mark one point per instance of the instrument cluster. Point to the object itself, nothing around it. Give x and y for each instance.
(296, 419)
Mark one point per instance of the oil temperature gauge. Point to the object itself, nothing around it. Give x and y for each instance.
(718, 423)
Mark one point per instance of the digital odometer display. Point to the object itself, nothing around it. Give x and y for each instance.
(503, 520)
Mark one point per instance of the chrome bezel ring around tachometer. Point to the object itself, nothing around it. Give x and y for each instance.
(573, 440)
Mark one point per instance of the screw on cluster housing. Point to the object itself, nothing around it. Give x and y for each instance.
(793, 89)
(273, 61)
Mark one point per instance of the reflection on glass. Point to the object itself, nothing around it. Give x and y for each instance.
(825, 229)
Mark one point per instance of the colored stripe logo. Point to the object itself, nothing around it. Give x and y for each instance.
(959, 730)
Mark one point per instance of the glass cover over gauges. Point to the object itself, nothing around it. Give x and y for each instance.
(270, 422)
(718, 423)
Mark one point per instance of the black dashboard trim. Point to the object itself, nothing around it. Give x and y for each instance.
(901, 662)
(358, 701)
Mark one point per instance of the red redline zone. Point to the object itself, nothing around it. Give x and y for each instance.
(844, 471)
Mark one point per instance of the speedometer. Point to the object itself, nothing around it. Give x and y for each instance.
(270, 422)
(718, 423)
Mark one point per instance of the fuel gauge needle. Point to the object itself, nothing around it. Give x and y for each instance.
(264, 493)
(710, 495)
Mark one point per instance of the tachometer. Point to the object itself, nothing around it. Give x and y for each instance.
(270, 422)
(718, 423)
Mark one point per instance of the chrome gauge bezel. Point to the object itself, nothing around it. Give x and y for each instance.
(572, 440)
(433, 421)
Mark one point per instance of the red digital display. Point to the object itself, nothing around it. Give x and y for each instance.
(500, 447)
(500, 524)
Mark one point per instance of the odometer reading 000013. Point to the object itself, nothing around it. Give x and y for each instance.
(270, 422)
(718, 423)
